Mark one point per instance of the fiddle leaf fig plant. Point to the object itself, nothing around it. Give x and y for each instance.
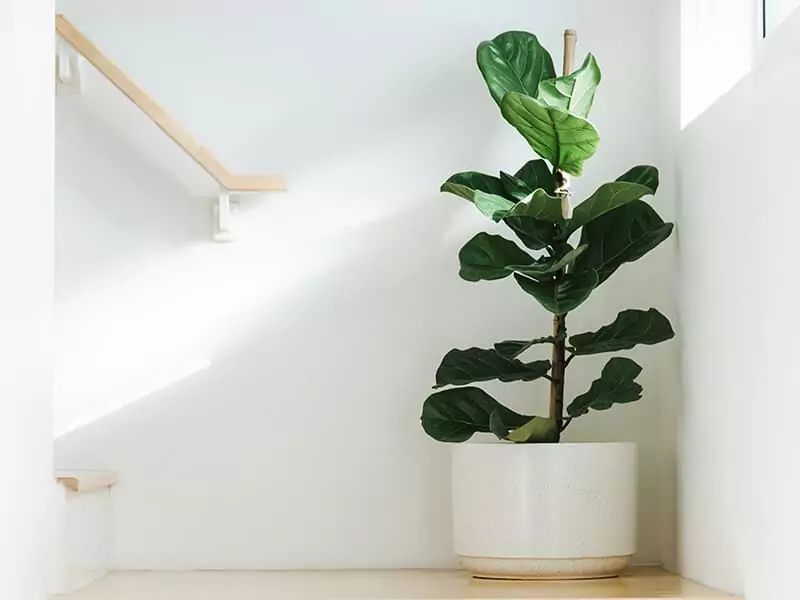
(560, 255)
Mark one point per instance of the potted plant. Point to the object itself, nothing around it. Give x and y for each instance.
(528, 506)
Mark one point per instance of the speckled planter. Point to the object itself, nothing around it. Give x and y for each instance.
(544, 511)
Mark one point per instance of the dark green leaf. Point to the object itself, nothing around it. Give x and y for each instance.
(560, 297)
(455, 415)
(466, 184)
(644, 175)
(564, 139)
(514, 186)
(514, 61)
(623, 235)
(573, 93)
(460, 367)
(539, 430)
(608, 197)
(616, 385)
(487, 257)
(629, 329)
(533, 175)
(537, 175)
(540, 206)
(493, 206)
(497, 426)
(513, 348)
(547, 266)
(535, 234)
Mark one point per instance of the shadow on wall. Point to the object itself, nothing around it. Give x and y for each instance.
(289, 366)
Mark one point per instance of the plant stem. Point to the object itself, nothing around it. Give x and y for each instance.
(558, 370)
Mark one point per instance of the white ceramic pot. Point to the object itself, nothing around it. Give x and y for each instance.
(544, 511)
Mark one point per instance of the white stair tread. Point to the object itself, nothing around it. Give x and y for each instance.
(85, 481)
(639, 584)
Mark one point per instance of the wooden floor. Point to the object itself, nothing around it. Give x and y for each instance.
(639, 584)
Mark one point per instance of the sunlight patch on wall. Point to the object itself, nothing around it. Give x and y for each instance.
(128, 334)
(718, 40)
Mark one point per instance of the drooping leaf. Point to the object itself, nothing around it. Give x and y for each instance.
(540, 206)
(514, 186)
(549, 265)
(497, 426)
(563, 139)
(539, 430)
(533, 175)
(486, 257)
(535, 234)
(467, 183)
(514, 61)
(616, 385)
(644, 175)
(629, 329)
(456, 414)
(513, 348)
(623, 235)
(573, 93)
(608, 197)
(460, 367)
(562, 296)
(493, 206)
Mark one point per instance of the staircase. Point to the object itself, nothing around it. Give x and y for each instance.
(230, 184)
(82, 504)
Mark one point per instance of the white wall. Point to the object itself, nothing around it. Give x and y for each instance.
(26, 296)
(738, 444)
(261, 400)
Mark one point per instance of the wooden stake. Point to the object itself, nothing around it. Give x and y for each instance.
(558, 360)
(570, 41)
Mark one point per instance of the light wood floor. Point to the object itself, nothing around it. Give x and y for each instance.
(640, 584)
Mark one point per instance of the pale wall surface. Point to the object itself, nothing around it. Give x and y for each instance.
(260, 400)
(738, 444)
(26, 297)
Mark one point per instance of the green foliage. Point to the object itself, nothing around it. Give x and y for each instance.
(560, 295)
(629, 329)
(615, 386)
(456, 414)
(615, 224)
(539, 430)
(514, 61)
(573, 93)
(562, 138)
(460, 367)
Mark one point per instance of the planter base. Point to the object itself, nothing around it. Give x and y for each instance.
(545, 568)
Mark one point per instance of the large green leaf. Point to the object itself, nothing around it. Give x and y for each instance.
(539, 430)
(513, 348)
(623, 235)
(629, 329)
(644, 175)
(565, 140)
(548, 265)
(533, 175)
(493, 206)
(536, 235)
(616, 385)
(456, 414)
(514, 61)
(540, 206)
(486, 257)
(460, 367)
(563, 295)
(573, 93)
(467, 183)
(608, 197)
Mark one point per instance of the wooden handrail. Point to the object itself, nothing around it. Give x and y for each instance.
(201, 155)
